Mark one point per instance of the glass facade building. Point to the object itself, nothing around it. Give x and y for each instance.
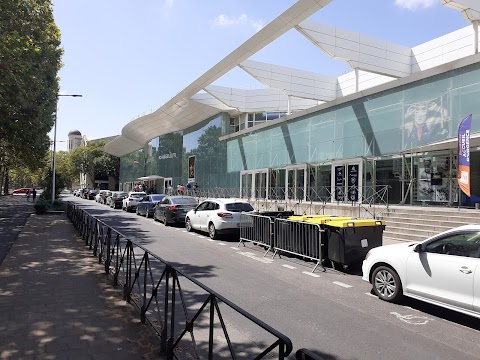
(358, 144)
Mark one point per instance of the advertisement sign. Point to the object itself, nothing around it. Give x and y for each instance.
(352, 182)
(339, 183)
(464, 155)
(191, 169)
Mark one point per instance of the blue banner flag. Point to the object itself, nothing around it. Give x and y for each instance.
(464, 154)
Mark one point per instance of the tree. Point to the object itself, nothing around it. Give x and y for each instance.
(30, 58)
(93, 161)
(65, 170)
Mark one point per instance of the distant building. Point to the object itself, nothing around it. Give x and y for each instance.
(75, 140)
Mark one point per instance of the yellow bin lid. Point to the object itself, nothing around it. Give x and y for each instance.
(355, 223)
(306, 217)
(327, 219)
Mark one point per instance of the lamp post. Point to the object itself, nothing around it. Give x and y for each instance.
(55, 143)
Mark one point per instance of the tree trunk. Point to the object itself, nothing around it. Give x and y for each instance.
(5, 184)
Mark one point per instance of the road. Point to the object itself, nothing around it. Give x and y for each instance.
(332, 313)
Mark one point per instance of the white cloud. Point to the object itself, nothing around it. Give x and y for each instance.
(415, 4)
(225, 20)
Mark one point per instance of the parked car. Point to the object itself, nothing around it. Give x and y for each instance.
(22, 191)
(217, 216)
(131, 201)
(91, 194)
(146, 205)
(104, 196)
(172, 209)
(116, 200)
(443, 270)
(99, 195)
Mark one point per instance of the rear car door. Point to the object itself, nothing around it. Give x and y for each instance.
(207, 213)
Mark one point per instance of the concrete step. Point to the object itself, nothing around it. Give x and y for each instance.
(415, 223)
(434, 211)
(390, 240)
(450, 217)
(403, 236)
(409, 228)
(424, 232)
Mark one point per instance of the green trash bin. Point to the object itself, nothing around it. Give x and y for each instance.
(348, 241)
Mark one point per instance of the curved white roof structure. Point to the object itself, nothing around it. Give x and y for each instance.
(166, 119)
(374, 61)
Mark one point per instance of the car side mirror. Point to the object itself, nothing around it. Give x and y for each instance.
(418, 248)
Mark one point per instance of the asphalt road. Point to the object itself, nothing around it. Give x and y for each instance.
(14, 213)
(331, 313)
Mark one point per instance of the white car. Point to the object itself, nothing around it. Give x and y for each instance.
(443, 270)
(217, 216)
(98, 197)
(131, 201)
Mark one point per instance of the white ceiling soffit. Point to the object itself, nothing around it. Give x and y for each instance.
(470, 9)
(207, 99)
(295, 82)
(360, 51)
(260, 100)
(167, 120)
(121, 146)
(139, 130)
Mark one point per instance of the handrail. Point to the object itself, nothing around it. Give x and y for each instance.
(106, 243)
(304, 354)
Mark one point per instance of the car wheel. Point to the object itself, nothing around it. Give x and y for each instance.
(188, 224)
(212, 232)
(165, 222)
(386, 284)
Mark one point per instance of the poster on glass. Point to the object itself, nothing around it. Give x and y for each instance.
(191, 169)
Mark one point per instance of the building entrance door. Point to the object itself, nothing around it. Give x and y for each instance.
(168, 186)
(347, 177)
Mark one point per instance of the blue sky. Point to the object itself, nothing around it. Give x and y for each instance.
(128, 57)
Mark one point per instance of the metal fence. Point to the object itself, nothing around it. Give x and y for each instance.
(299, 238)
(193, 321)
(257, 229)
(282, 235)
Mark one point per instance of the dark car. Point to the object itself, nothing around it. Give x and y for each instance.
(91, 194)
(116, 200)
(172, 209)
(146, 205)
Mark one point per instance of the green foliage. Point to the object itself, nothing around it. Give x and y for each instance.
(30, 58)
(41, 206)
(93, 161)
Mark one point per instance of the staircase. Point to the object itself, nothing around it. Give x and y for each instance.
(414, 223)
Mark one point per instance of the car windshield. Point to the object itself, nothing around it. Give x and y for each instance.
(157, 197)
(121, 194)
(136, 196)
(238, 207)
(184, 201)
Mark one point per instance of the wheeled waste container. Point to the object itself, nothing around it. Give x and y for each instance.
(307, 217)
(350, 240)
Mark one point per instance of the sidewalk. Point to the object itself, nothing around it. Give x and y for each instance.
(56, 302)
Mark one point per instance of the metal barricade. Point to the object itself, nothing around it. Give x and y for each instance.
(299, 238)
(304, 354)
(257, 229)
(191, 319)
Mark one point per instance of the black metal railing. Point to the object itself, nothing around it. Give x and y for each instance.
(193, 321)
(304, 354)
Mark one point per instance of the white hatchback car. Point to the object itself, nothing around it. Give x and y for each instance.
(217, 216)
(131, 201)
(443, 270)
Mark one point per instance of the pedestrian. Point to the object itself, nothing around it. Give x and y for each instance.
(34, 194)
(28, 194)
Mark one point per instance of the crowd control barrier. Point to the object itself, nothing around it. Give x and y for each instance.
(257, 229)
(192, 320)
(299, 238)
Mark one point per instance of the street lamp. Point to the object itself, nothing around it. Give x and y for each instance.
(55, 143)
